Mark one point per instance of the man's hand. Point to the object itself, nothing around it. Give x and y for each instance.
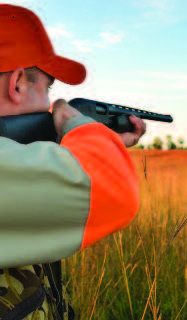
(132, 138)
(62, 112)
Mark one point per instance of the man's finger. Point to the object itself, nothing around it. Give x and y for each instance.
(58, 104)
(140, 126)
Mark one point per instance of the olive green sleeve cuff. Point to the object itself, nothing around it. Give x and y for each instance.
(76, 122)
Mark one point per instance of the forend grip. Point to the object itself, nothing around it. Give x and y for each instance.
(104, 113)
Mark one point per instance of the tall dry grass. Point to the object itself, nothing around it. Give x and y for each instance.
(141, 271)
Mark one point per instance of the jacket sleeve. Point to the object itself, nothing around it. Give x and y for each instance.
(58, 199)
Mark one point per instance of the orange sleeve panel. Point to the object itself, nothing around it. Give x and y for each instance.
(114, 198)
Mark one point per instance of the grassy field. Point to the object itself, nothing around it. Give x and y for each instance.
(141, 271)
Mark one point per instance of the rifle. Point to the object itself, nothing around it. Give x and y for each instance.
(26, 128)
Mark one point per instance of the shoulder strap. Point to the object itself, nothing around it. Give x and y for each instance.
(53, 273)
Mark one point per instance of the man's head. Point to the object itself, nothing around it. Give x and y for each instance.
(26, 54)
(24, 91)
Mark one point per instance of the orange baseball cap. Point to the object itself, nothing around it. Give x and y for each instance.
(24, 43)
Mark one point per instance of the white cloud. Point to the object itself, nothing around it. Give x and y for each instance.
(104, 39)
(81, 46)
(58, 31)
(108, 37)
(157, 12)
(158, 4)
(164, 75)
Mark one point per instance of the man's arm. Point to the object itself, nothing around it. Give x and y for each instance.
(56, 200)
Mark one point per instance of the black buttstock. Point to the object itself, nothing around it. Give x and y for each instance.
(27, 128)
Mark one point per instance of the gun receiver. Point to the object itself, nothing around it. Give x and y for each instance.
(27, 128)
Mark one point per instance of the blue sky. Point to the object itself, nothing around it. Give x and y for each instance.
(135, 53)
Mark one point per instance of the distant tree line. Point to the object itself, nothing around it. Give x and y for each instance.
(158, 144)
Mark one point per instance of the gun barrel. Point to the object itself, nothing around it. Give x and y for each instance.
(104, 108)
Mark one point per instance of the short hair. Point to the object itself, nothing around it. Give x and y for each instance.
(32, 74)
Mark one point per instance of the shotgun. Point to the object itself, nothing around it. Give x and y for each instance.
(26, 128)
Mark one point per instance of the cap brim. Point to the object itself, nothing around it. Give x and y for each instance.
(65, 70)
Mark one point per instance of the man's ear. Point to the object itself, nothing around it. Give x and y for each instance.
(17, 85)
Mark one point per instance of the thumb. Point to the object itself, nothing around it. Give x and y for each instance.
(58, 104)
